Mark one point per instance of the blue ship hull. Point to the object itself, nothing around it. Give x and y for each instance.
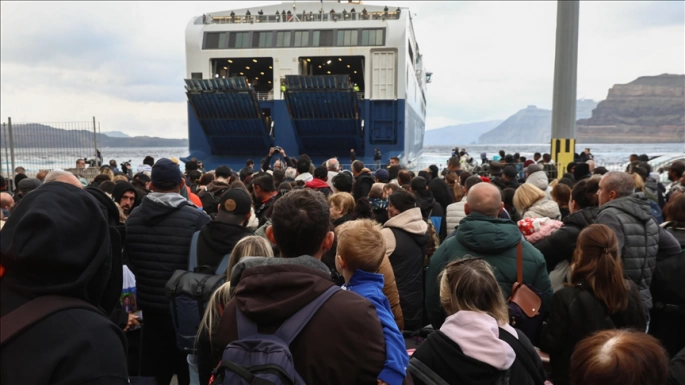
(227, 128)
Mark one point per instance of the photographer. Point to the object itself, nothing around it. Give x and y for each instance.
(266, 163)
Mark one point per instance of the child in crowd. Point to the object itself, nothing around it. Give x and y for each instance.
(359, 256)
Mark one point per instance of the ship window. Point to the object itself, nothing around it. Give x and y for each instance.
(239, 40)
(302, 39)
(262, 39)
(411, 52)
(348, 38)
(196, 75)
(322, 38)
(372, 37)
(283, 39)
(215, 40)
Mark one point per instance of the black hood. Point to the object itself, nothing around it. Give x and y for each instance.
(57, 242)
(221, 237)
(107, 206)
(157, 206)
(120, 188)
(582, 218)
(425, 200)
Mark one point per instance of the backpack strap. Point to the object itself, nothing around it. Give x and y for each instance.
(293, 325)
(28, 314)
(522, 355)
(192, 258)
(423, 373)
(221, 270)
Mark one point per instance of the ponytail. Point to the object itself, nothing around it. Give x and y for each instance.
(596, 262)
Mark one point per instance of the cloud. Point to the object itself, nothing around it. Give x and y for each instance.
(124, 62)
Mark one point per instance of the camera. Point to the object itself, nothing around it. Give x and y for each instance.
(277, 149)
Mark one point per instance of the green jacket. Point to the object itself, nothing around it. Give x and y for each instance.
(495, 241)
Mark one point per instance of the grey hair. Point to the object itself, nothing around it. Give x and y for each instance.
(54, 174)
(620, 182)
(333, 164)
(290, 173)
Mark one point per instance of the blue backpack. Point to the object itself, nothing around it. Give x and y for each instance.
(189, 291)
(265, 359)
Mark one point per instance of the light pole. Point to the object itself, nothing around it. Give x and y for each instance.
(565, 81)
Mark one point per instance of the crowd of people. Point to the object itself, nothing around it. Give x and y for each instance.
(513, 271)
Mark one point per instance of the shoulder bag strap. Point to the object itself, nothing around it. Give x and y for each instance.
(522, 355)
(192, 258)
(519, 263)
(28, 314)
(294, 325)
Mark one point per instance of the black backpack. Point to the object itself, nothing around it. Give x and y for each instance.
(189, 291)
(210, 201)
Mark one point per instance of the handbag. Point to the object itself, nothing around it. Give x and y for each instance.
(525, 303)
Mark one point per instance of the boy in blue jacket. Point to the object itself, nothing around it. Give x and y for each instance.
(360, 252)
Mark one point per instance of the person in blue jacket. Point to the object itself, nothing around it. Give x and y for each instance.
(359, 256)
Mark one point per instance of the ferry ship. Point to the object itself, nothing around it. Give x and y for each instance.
(315, 78)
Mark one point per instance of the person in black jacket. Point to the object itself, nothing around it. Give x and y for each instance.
(430, 208)
(158, 243)
(599, 299)
(264, 195)
(219, 236)
(559, 246)
(57, 242)
(362, 180)
(475, 344)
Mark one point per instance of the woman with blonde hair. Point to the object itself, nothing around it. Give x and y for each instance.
(532, 202)
(599, 299)
(475, 344)
(104, 170)
(251, 246)
(341, 207)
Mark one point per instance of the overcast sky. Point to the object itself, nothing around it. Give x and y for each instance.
(124, 62)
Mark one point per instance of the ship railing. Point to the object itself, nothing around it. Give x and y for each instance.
(265, 96)
(304, 17)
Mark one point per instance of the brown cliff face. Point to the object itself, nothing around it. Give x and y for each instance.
(650, 109)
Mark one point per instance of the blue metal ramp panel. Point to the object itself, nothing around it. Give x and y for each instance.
(230, 115)
(384, 122)
(325, 113)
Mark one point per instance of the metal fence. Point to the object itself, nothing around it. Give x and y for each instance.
(48, 146)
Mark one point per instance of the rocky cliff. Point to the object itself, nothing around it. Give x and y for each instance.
(650, 109)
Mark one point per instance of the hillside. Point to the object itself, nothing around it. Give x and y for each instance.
(530, 125)
(39, 135)
(461, 134)
(649, 109)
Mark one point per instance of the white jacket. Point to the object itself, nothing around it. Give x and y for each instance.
(544, 207)
(455, 213)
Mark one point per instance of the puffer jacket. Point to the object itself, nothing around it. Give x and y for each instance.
(539, 180)
(158, 234)
(495, 241)
(544, 207)
(638, 238)
(560, 245)
(405, 236)
(455, 213)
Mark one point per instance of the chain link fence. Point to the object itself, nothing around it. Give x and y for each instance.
(48, 146)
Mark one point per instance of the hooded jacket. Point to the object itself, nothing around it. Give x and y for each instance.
(370, 286)
(319, 185)
(362, 185)
(335, 347)
(218, 239)
(559, 246)
(576, 314)
(542, 208)
(468, 349)
(210, 197)
(539, 179)
(57, 243)
(120, 188)
(405, 240)
(431, 209)
(495, 241)
(638, 239)
(158, 243)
